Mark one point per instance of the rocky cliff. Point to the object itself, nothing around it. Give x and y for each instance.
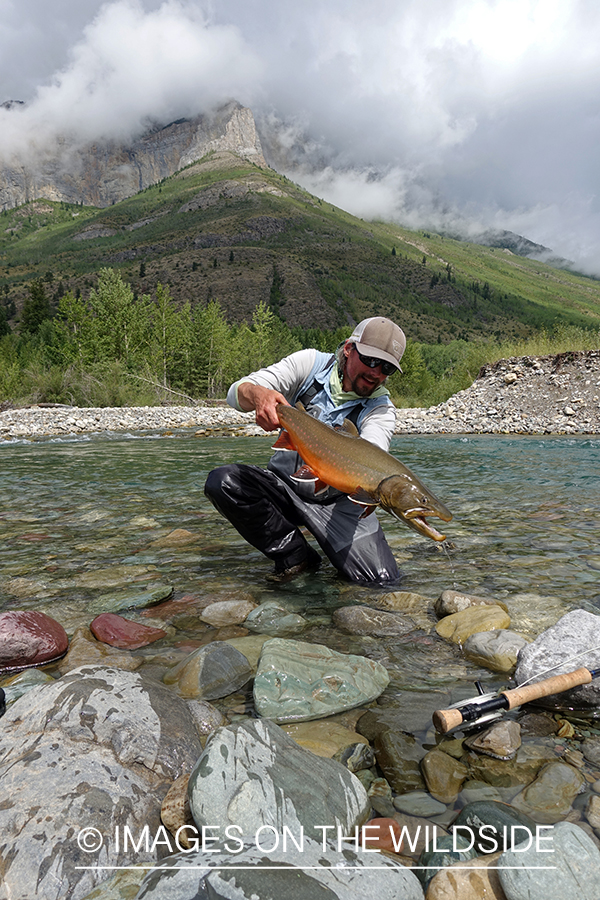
(104, 173)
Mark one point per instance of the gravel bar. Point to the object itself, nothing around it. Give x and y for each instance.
(522, 395)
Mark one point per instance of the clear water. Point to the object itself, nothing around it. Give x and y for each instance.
(525, 530)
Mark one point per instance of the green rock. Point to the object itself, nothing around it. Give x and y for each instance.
(398, 757)
(497, 816)
(274, 619)
(419, 803)
(496, 650)
(572, 872)
(20, 684)
(297, 681)
(213, 671)
(442, 855)
(508, 773)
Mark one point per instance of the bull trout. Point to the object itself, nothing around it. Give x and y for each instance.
(367, 474)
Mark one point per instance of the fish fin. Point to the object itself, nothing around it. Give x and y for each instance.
(305, 473)
(367, 512)
(300, 406)
(283, 442)
(320, 486)
(349, 428)
(362, 497)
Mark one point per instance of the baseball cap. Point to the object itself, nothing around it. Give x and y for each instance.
(380, 337)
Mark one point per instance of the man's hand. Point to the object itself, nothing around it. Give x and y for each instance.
(263, 401)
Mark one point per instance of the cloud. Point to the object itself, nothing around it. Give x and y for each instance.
(430, 112)
(132, 67)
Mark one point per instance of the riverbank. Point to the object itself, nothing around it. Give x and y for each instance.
(522, 395)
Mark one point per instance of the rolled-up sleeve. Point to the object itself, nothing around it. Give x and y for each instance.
(285, 376)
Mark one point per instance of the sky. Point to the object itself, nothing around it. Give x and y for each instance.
(455, 115)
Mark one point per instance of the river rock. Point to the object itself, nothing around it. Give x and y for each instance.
(119, 632)
(592, 811)
(275, 620)
(207, 718)
(520, 770)
(412, 715)
(325, 738)
(496, 650)
(95, 749)
(356, 757)
(115, 577)
(463, 882)
(573, 867)
(175, 813)
(84, 648)
(398, 757)
(315, 872)
(443, 775)
(180, 537)
(537, 724)
(591, 750)
(251, 646)
(30, 638)
(549, 797)
(210, 672)
(253, 774)
(575, 634)
(419, 803)
(365, 620)
(441, 855)
(494, 818)
(122, 885)
(20, 684)
(298, 681)
(450, 602)
(227, 612)
(501, 741)
(461, 625)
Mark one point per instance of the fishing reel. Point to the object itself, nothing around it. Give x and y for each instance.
(473, 712)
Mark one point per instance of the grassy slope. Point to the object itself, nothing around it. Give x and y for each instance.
(316, 265)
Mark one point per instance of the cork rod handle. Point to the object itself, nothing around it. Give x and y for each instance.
(555, 685)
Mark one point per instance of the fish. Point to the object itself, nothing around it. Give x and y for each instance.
(370, 476)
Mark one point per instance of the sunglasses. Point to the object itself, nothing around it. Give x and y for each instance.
(372, 362)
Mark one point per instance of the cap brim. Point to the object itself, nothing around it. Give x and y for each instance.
(367, 350)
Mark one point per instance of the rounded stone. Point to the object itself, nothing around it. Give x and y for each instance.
(30, 638)
(377, 622)
(227, 612)
(461, 625)
(496, 650)
(123, 633)
(212, 671)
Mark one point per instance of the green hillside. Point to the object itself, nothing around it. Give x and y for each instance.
(225, 230)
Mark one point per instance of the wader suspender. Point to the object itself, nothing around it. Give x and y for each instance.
(313, 389)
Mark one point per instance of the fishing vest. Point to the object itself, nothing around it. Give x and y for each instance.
(315, 396)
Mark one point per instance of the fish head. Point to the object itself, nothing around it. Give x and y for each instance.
(407, 498)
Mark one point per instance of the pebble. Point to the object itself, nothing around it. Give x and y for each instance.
(501, 741)
(325, 738)
(450, 602)
(30, 638)
(419, 803)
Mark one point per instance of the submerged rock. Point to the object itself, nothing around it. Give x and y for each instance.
(227, 612)
(574, 635)
(96, 749)
(443, 775)
(275, 620)
(299, 681)
(286, 873)
(30, 638)
(123, 633)
(85, 649)
(326, 738)
(252, 774)
(496, 650)
(20, 684)
(549, 797)
(572, 873)
(501, 741)
(461, 625)
(398, 757)
(212, 671)
(450, 602)
(378, 622)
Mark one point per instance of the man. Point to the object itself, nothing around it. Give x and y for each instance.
(266, 506)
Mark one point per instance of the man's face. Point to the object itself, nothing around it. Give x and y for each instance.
(358, 377)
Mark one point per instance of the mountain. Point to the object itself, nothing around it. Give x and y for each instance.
(228, 227)
(101, 174)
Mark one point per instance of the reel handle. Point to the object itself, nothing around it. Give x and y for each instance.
(445, 720)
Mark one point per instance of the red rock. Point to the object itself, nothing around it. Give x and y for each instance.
(378, 835)
(29, 638)
(123, 633)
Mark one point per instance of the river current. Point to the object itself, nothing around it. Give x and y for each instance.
(525, 531)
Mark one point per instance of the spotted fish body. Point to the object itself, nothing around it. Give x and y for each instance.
(356, 467)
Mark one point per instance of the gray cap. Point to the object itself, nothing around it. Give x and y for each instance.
(381, 338)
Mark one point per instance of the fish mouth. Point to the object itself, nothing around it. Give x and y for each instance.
(416, 519)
